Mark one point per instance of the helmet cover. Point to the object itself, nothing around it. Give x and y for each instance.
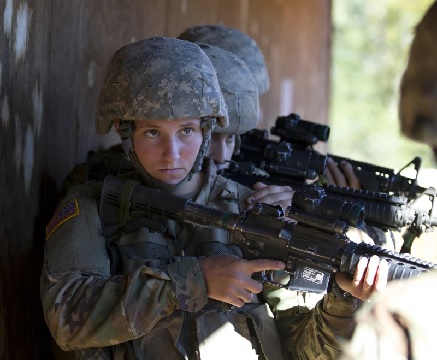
(159, 78)
(236, 42)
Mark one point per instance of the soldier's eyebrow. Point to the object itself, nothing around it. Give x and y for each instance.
(158, 124)
(190, 123)
(149, 125)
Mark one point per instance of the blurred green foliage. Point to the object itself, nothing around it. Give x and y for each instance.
(371, 41)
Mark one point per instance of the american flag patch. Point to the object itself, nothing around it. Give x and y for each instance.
(68, 211)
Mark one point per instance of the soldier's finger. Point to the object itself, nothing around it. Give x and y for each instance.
(381, 276)
(246, 295)
(271, 190)
(265, 264)
(351, 177)
(282, 198)
(258, 194)
(235, 301)
(254, 287)
(337, 174)
(258, 185)
(329, 177)
(360, 271)
(371, 271)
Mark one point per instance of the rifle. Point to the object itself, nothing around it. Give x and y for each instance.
(300, 133)
(313, 248)
(392, 212)
(385, 211)
(303, 134)
(279, 162)
(380, 209)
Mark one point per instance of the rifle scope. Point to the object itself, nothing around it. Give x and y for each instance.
(292, 128)
(279, 158)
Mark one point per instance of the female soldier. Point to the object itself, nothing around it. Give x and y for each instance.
(185, 293)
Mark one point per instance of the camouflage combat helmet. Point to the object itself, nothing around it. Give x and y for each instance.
(238, 87)
(237, 43)
(160, 79)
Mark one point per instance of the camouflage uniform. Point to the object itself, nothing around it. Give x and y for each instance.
(144, 310)
(391, 325)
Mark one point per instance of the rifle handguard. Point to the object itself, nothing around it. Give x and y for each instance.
(400, 266)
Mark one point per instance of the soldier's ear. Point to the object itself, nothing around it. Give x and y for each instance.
(117, 126)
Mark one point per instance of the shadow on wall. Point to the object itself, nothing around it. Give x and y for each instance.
(48, 199)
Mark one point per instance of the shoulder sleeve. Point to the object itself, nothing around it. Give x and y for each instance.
(84, 306)
(308, 331)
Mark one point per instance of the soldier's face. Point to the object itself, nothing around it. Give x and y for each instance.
(221, 149)
(167, 149)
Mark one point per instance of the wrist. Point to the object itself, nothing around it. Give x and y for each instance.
(338, 292)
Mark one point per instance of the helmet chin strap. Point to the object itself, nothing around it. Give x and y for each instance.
(126, 130)
(207, 125)
(237, 144)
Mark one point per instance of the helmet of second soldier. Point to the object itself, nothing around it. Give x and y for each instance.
(160, 79)
(238, 87)
(237, 43)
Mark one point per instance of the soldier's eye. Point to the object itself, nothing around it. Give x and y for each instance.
(230, 139)
(187, 131)
(151, 133)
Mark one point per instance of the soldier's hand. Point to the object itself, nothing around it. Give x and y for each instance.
(371, 275)
(271, 194)
(229, 278)
(359, 236)
(341, 174)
